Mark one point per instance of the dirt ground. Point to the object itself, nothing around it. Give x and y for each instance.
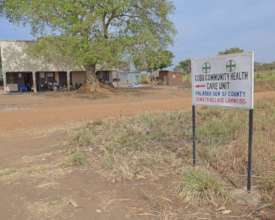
(32, 133)
(55, 110)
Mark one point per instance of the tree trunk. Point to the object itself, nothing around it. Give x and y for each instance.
(91, 79)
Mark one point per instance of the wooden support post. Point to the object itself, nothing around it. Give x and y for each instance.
(68, 80)
(34, 82)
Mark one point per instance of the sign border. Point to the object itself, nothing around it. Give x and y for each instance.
(252, 87)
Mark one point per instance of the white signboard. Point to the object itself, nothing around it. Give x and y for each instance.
(226, 80)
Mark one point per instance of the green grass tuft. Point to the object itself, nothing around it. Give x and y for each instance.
(78, 158)
(201, 185)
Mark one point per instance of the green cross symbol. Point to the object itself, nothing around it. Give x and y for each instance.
(231, 66)
(206, 67)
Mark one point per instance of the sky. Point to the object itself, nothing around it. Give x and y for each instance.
(205, 27)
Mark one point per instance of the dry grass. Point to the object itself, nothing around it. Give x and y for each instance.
(49, 166)
(156, 145)
(266, 185)
(265, 75)
(47, 171)
(147, 145)
(229, 156)
(46, 209)
(201, 185)
(265, 81)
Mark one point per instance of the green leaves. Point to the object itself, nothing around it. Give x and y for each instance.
(231, 51)
(153, 59)
(184, 66)
(97, 31)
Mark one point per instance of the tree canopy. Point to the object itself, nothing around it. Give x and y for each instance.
(231, 51)
(90, 32)
(184, 66)
(155, 60)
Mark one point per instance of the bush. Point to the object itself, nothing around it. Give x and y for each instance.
(144, 79)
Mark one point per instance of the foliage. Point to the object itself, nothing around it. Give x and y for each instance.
(90, 32)
(187, 78)
(163, 60)
(200, 185)
(155, 60)
(214, 131)
(78, 158)
(138, 147)
(231, 51)
(144, 79)
(155, 145)
(184, 66)
(265, 81)
(267, 187)
(264, 67)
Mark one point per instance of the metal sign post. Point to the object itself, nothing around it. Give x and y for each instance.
(194, 133)
(250, 147)
(225, 81)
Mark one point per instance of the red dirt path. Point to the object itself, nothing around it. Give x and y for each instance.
(48, 111)
(45, 111)
(39, 192)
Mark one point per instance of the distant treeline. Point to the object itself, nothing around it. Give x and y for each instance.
(184, 66)
(261, 67)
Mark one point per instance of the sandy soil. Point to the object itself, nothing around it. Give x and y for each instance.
(32, 129)
(52, 110)
(31, 139)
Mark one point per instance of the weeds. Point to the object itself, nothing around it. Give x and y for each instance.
(136, 147)
(201, 185)
(265, 76)
(267, 187)
(219, 127)
(7, 172)
(155, 145)
(78, 158)
(265, 81)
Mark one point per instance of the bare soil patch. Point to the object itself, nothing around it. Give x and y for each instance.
(54, 110)
(39, 181)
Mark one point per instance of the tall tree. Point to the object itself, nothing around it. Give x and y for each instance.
(155, 60)
(184, 66)
(231, 51)
(91, 32)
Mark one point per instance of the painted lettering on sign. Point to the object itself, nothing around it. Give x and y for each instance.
(224, 81)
